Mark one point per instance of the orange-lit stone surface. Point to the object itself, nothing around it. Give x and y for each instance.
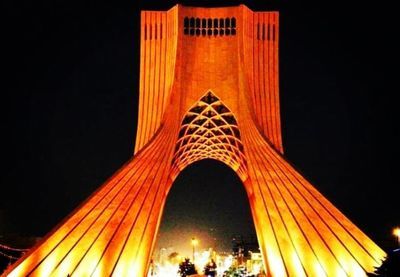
(204, 94)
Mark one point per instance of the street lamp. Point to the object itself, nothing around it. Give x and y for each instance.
(396, 233)
(194, 243)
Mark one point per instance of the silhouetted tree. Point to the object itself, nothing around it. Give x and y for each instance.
(210, 269)
(390, 267)
(186, 268)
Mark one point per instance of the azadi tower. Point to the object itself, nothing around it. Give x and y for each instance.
(208, 90)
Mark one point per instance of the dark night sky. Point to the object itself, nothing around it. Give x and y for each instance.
(69, 105)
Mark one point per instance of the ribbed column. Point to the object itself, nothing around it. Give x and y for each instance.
(300, 231)
(113, 232)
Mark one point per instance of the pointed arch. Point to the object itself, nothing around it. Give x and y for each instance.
(209, 130)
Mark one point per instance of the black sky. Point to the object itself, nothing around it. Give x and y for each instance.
(69, 105)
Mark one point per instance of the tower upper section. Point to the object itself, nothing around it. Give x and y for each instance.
(231, 51)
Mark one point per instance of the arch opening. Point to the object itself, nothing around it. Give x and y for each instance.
(207, 201)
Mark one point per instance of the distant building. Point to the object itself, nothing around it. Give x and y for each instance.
(162, 258)
(254, 265)
(242, 248)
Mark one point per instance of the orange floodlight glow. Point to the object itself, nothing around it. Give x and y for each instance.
(208, 90)
(194, 242)
(396, 232)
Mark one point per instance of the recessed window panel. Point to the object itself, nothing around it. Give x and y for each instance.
(204, 23)
(213, 26)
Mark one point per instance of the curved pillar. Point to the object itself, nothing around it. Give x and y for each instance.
(300, 232)
(112, 232)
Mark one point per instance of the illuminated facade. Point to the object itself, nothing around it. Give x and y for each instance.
(208, 89)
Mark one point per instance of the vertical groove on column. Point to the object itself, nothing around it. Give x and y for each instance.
(272, 77)
(146, 92)
(256, 63)
(277, 116)
(262, 59)
(267, 106)
(156, 86)
(142, 84)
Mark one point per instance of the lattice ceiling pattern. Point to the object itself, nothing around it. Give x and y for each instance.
(209, 130)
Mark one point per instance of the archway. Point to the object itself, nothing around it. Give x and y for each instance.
(114, 232)
(208, 202)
